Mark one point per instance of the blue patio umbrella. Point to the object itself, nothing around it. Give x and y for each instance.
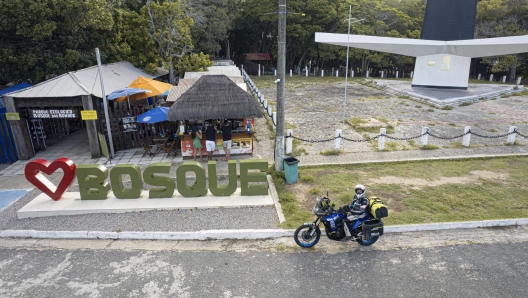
(155, 115)
(125, 92)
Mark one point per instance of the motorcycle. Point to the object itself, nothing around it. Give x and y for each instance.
(339, 226)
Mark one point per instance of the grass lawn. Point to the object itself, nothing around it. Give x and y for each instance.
(416, 192)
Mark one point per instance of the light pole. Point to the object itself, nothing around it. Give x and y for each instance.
(346, 71)
(281, 68)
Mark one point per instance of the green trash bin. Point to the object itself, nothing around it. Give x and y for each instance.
(290, 166)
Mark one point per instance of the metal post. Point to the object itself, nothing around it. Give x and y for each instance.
(105, 103)
(281, 65)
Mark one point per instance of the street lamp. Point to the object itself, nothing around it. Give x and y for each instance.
(348, 47)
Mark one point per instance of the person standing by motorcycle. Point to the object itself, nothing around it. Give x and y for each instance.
(360, 202)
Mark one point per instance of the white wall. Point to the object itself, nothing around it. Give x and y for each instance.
(441, 71)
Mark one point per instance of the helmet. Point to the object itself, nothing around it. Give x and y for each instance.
(360, 190)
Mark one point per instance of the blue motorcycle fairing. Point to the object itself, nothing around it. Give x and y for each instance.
(360, 220)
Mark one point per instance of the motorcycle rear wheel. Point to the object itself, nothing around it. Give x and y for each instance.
(302, 236)
(367, 242)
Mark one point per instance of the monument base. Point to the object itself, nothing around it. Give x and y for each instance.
(71, 204)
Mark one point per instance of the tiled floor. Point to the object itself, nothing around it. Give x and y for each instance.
(76, 148)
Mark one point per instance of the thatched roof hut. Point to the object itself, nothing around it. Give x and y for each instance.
(212, 97)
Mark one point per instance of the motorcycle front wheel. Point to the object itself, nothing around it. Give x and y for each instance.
(303, 236)
(367, 242)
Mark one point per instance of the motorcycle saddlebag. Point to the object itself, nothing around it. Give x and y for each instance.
(372, 228)
(377, 208)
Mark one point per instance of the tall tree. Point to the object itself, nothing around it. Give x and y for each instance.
(45, 37)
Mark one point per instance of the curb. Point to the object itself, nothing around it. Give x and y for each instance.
(242, 234)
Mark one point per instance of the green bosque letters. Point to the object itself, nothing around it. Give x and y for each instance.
(198, 189)
(92, 185)
(246, 177)
(116, 179)
(223, 190)
(167, 184)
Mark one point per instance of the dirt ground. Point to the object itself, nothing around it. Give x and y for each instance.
(314, 108)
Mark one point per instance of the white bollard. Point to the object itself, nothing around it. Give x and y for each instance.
(265, 103)
(290, 73)
(478, 78)
(367, 75)
(338, 139)
(504, 79)
(511, 136)
(382, 72)
(396, 74)
(491, 77)
(519, 80)
(259, 71)
(425, 138)
(289, 141)
(322, 73)
(412, 74)
(306, 72)
(275, 72)
(352, 74)
(467, 138)
(381, 139)
(274, 120)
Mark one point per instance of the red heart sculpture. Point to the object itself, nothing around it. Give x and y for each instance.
(33, 175)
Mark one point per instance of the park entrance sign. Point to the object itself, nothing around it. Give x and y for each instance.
(104, 190)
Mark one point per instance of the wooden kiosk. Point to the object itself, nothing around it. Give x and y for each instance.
(215, 98)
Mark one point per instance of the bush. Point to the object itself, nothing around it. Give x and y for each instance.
(447, 108)
(330, 152)
(429, 147)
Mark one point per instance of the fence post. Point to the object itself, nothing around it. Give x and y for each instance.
(265, 103)
(352, 74)
(306, 71)
(381, 139)
(425, 137)
(259, 71)
(412, 74)
(289, 141)
(511, 136)
(338, 140)
(274, 120)
(367, 75)
(290, 73)
(478, 79)
(322, 72)
(270, 110)
(397, 72)
(467, 138)
(382, 72)
(491, 77)
(504, 79)
(337, 73)
(519, 80)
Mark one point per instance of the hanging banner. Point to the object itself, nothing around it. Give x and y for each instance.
(89, 115)
(129, 124)
(44, 114)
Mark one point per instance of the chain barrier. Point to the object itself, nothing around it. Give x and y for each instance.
(495, 137)
(449, 138)
(520, 134)
(406, 139)
(253, 90)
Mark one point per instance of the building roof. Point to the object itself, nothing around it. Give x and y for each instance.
(85, 82)
(212, 97)
(230, 71)
(185, 84)
(473, 48)
(258, 56)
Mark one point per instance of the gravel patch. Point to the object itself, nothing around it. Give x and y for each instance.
(148, 221)
(315, 110)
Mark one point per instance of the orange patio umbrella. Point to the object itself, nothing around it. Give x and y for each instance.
(156, 88)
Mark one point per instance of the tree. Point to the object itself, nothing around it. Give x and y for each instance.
(39, 38)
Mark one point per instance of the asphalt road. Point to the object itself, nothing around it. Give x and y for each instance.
(430, 265)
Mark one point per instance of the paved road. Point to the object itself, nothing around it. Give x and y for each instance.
(471, 263)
